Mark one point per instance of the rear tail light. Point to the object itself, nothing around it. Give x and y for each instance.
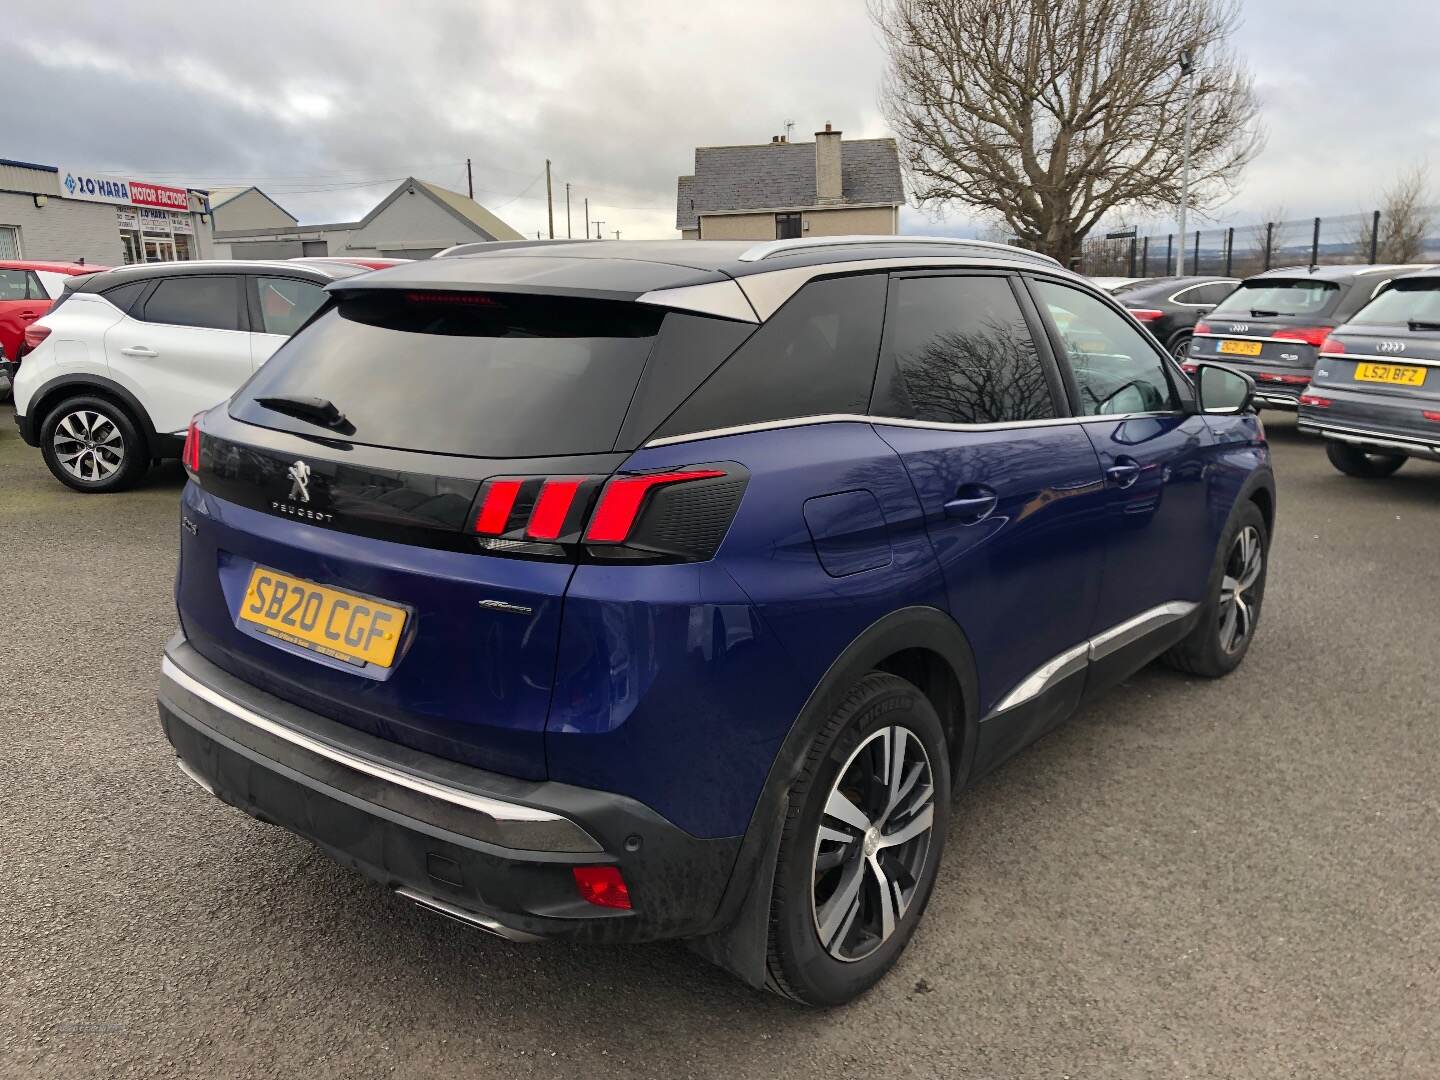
(603, 886)
(675, 515)
(1315, 401)
(1330, 346)
(1203, 328)
(190, 455)
(34, 335)
(1146, 314)
(1310, 335)
(1433, 417)
(1189, 368)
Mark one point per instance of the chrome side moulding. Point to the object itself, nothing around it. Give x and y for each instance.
(1074, 660)
(560, 833)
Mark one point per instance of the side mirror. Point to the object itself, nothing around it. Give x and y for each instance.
(1223, 391)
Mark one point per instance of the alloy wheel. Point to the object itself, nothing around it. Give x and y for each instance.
(873, 843)
(88, 445)
(1238, 602)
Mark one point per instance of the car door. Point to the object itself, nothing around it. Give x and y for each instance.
(1153, 450)
(22, 301)
(183, 348)
(278, 307)
(1010, 487)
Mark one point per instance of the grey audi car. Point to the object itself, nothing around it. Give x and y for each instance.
(1271, 327)
(1375, 395)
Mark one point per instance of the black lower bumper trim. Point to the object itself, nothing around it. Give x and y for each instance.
(676, 881)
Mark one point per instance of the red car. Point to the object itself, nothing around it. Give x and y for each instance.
(27, 290)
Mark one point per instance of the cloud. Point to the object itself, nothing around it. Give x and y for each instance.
(326, 105)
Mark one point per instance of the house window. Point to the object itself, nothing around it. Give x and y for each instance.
(9, 242)
(787, 226)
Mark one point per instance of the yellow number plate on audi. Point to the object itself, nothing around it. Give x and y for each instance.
(1241, 348)
(1401, 374)
(337, 624)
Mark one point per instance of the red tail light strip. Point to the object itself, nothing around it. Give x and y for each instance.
(547, 520)
(494, 512)
(623, 497)
(190, 455)
(1310, 335)
(1146, 314)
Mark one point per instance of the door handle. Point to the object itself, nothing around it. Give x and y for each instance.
(972, 503)
(28, 315)
(138, 350)
(1124, 472)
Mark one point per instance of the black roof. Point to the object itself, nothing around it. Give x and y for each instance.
(1339, 274)
(106, 279)
(627, 268)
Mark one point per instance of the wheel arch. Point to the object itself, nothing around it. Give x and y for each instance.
(58, 389)
(921, 644)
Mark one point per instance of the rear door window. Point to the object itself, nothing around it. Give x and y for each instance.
(285, 303)
(1116, 370)
(477, 374)
(1263, 297)
(13, 284)
(815, 356)
(208, 301)
(958, 351)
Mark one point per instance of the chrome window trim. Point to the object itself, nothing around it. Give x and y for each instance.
(497, 809)
(1076, 659)
(894, 421)
(1198, 285)
(1399, 359)
(723, 298)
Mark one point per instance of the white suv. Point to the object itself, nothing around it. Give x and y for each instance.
(130, 355)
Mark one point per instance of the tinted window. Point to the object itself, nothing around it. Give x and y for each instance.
(212, 302)
(1213, 293)
(1272, 296)
(13, 284)
(489, 375)
(816, 355)
(285, 303)
(123, 296)
(1116, 370)
(962, 354)
(1404, 302)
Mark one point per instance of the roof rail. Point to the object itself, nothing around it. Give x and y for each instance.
(482, 247)
(772, 248)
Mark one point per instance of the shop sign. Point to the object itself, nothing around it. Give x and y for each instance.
(127, 219)
(122, 191)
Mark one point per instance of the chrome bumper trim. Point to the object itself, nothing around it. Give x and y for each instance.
(498, 810)
(469, 918)
(1369, 438)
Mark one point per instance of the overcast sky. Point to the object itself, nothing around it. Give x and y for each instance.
(325, 105)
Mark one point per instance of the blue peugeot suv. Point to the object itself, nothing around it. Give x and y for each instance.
(626, 591)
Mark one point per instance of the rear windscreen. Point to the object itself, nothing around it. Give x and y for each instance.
(1403, 302)
(478, 374)
(1272, 296)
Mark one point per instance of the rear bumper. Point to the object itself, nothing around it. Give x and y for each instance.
(487, 849)
(1385, 425)
(26, 427)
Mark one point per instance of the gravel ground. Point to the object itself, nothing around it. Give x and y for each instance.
(1190, 879)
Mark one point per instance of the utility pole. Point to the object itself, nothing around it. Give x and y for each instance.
(587, 217)
(617, 234)
(549, 199)
(1187, 72)
(469, 179)
(568, 235)
(598, 234)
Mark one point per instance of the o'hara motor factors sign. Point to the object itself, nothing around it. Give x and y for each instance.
(121, 191)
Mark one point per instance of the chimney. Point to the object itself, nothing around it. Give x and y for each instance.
(827, 164)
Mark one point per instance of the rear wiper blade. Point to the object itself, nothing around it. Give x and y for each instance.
(1422, 324)
(1254, 314)
(304, 407)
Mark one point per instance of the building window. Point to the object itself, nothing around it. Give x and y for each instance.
(9, 242)
(787, 226)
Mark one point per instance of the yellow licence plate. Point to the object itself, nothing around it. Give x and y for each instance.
(1404, 374)
(1241, 348)
(338, 624)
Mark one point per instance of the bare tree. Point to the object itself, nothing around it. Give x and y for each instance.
(1257, 239)
(1405, 219)
(1052, 113)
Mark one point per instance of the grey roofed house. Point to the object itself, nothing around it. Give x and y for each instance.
(778, 189)
(413, 221)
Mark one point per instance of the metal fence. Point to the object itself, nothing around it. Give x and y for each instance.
(1238, 251)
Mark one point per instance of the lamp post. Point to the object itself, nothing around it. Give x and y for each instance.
(1187, 72)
